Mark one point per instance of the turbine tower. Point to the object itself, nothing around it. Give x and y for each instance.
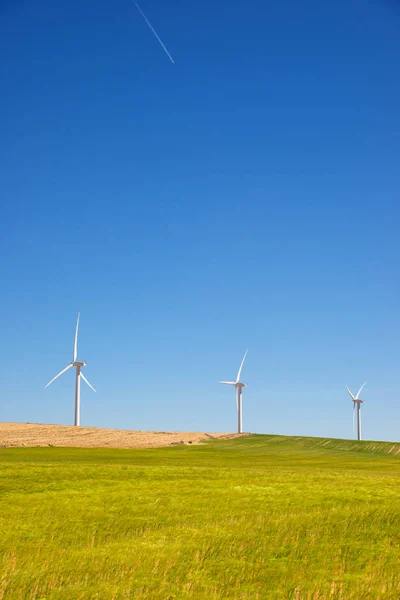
(357, 402)
(239, 385)
(78, 365)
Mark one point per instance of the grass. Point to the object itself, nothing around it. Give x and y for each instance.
(257, 517)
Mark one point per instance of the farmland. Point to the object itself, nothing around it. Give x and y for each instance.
(253, 517)
(14, 435)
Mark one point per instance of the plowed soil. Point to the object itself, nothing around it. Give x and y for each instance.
(30, 434)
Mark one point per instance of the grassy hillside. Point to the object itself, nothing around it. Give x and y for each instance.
(257, 517)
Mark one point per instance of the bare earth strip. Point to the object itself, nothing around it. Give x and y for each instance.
(30, 434)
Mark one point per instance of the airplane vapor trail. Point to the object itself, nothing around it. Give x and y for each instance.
(154, 31)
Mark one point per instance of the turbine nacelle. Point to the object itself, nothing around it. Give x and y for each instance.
(356, 397)
(237, 384)
(79, 364)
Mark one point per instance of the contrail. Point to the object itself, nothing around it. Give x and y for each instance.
(154, 31)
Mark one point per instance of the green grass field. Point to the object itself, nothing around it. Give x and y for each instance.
(256, 517)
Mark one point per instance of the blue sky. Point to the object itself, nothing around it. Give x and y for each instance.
(245, 197)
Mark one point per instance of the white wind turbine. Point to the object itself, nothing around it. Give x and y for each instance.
(357, 402)
(239, 385)
(78, 365)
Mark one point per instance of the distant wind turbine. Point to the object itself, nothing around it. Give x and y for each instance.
(357, 402)
(239, 387)
(79, 375)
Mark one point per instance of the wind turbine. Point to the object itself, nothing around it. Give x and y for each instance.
(357, 402)
(78, 365)
(239, 385)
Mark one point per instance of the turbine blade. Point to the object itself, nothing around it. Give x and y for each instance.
(86, 381)
(354, 419)
(360, 425)
(350, 393)
(241, 366)
(359, 391)
(76, 339)
(57, 376)
(229, 382)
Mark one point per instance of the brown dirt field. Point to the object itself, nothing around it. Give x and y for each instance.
(14, 435)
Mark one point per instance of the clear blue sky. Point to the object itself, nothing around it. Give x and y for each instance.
(245, 197)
